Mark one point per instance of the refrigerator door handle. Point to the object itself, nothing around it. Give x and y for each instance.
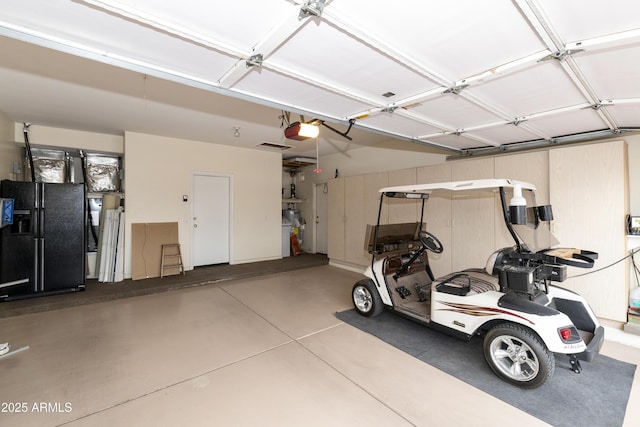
(41, 223)
(41, 284)
(36, 266)
(40, 262)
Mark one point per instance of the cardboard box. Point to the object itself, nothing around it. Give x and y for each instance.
(146, 247)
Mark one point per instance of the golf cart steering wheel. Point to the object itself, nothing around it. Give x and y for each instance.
(430, 242)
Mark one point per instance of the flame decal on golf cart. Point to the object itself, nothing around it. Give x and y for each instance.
(475, 310)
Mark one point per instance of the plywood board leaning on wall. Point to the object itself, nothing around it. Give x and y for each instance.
(146, 247)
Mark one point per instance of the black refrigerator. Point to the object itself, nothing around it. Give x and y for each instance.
(43, 251)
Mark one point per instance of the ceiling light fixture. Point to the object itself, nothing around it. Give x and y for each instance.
(311, 8)
(301, 131)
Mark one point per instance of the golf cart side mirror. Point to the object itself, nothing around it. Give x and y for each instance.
(517, 206)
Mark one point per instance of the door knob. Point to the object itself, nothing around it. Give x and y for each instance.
(195, 225)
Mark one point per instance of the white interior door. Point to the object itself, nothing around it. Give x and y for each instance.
(322, 214)
(211, 219)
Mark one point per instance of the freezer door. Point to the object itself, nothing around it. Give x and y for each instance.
(62, 229)
(18, 242)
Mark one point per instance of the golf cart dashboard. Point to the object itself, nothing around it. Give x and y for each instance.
(386, 238)
(393, 263)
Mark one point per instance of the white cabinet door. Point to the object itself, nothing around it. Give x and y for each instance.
(403, 210)
(355, 219)
(372, 185)
(322, 217)
(336, 219)
(588, 190)
(438, 217)
(473, 217)
(530, 167)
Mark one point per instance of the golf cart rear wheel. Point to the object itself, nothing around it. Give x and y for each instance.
(518, 356)
(366, 298)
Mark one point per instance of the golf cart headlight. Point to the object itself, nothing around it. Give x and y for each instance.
(544, 213)
(517, 206)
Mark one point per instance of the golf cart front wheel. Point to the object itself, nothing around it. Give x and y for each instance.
(366, 298)
(518, 356)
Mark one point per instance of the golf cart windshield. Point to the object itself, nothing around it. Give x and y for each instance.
(534, 235)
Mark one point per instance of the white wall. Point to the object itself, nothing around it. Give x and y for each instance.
(159, 171)
(69, 138)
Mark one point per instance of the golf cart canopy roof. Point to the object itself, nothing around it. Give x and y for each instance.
(419, 191)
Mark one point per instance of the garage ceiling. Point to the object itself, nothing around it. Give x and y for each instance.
(462, 75)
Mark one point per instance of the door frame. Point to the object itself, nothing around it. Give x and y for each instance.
(191, 210)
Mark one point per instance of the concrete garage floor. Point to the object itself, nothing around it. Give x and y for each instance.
(99, 292)
(258, 351)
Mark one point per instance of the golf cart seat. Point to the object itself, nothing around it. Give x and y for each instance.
(474, 281)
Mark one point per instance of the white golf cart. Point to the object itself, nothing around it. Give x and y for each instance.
(510, 302)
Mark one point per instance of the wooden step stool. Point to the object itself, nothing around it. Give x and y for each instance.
(171, 254)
